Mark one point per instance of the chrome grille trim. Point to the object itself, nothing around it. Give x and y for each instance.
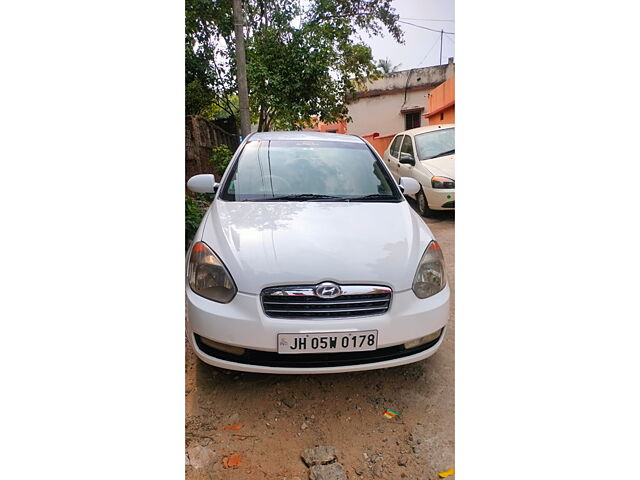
(333, 310)
(309, 290)
(329, 302)
(301, 301)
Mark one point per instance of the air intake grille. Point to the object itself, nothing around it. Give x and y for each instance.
(302, 302)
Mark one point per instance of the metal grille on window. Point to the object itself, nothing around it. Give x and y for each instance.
(412, 120)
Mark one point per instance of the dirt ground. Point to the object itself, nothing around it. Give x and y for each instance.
(279, 416)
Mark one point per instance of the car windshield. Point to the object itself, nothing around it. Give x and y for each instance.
(307, 170)
(435, 143)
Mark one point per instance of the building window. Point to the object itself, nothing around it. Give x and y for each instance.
(411, 120)
(442, 116)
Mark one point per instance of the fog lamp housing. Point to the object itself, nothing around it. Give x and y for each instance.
(222, 346)
(422, 340)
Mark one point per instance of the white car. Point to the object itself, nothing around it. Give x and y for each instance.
(310, 260)
(428, 155)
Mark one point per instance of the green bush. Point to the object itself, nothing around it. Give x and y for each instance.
(220, 158)
(194, 210)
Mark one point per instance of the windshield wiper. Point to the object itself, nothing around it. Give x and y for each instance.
(374, 196)
(305, 196)
(442, 154)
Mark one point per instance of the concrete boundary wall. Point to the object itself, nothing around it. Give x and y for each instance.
(201, 135)
(379, 143)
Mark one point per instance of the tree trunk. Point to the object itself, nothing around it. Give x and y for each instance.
(261, 118)
(241, 65)
(268, 122)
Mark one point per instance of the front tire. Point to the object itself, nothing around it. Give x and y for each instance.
(423, 205)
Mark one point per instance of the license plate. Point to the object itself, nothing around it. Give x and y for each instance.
(327, 342)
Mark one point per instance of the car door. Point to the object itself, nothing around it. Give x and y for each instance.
(406, 169)
(393, 155)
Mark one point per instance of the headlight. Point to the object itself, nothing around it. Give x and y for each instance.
(430, 277)
(208, 276)
(442, 182)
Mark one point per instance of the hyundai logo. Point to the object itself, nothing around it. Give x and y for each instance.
(328, 290)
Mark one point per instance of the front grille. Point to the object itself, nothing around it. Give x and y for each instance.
(302, 302)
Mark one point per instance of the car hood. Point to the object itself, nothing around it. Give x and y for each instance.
(289, 243)
(444, 166)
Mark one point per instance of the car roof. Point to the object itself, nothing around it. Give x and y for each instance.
(428, 128)
(304, 135)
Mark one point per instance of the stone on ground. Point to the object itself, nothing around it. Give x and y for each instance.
(200, 456)
(319, 455)
(332, 471)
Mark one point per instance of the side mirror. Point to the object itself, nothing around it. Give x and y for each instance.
(407, 158)
(203, 183)
(409, 186)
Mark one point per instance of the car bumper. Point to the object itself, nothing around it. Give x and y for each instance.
(242, 323)
(440, 199)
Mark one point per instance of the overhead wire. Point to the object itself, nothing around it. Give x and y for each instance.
(427, 19)
(426, 28)
(450, 39)
(425, 57)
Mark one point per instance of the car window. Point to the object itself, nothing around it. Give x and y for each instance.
(246, 176)
(407, 146)
(436, 143)
(268, 169)
(395, 146)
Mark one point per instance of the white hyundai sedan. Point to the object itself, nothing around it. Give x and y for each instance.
(310, 260)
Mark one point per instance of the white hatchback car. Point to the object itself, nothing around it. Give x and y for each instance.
(310, 260)
(428, 155)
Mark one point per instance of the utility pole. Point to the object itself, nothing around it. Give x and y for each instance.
(241, 64)
(441, 34)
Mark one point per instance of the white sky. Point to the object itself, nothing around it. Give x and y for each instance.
(421, 47)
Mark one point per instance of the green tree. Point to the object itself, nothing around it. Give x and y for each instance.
(209, 70)
(302, 60)
(386, 66)
(220, 158)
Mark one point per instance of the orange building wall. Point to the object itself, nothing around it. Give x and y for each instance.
(379, 143)
(338, 127)
(441, 104)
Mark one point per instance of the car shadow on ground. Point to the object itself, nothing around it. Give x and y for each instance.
(436, 216)
(320, 393)
(229, 380)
